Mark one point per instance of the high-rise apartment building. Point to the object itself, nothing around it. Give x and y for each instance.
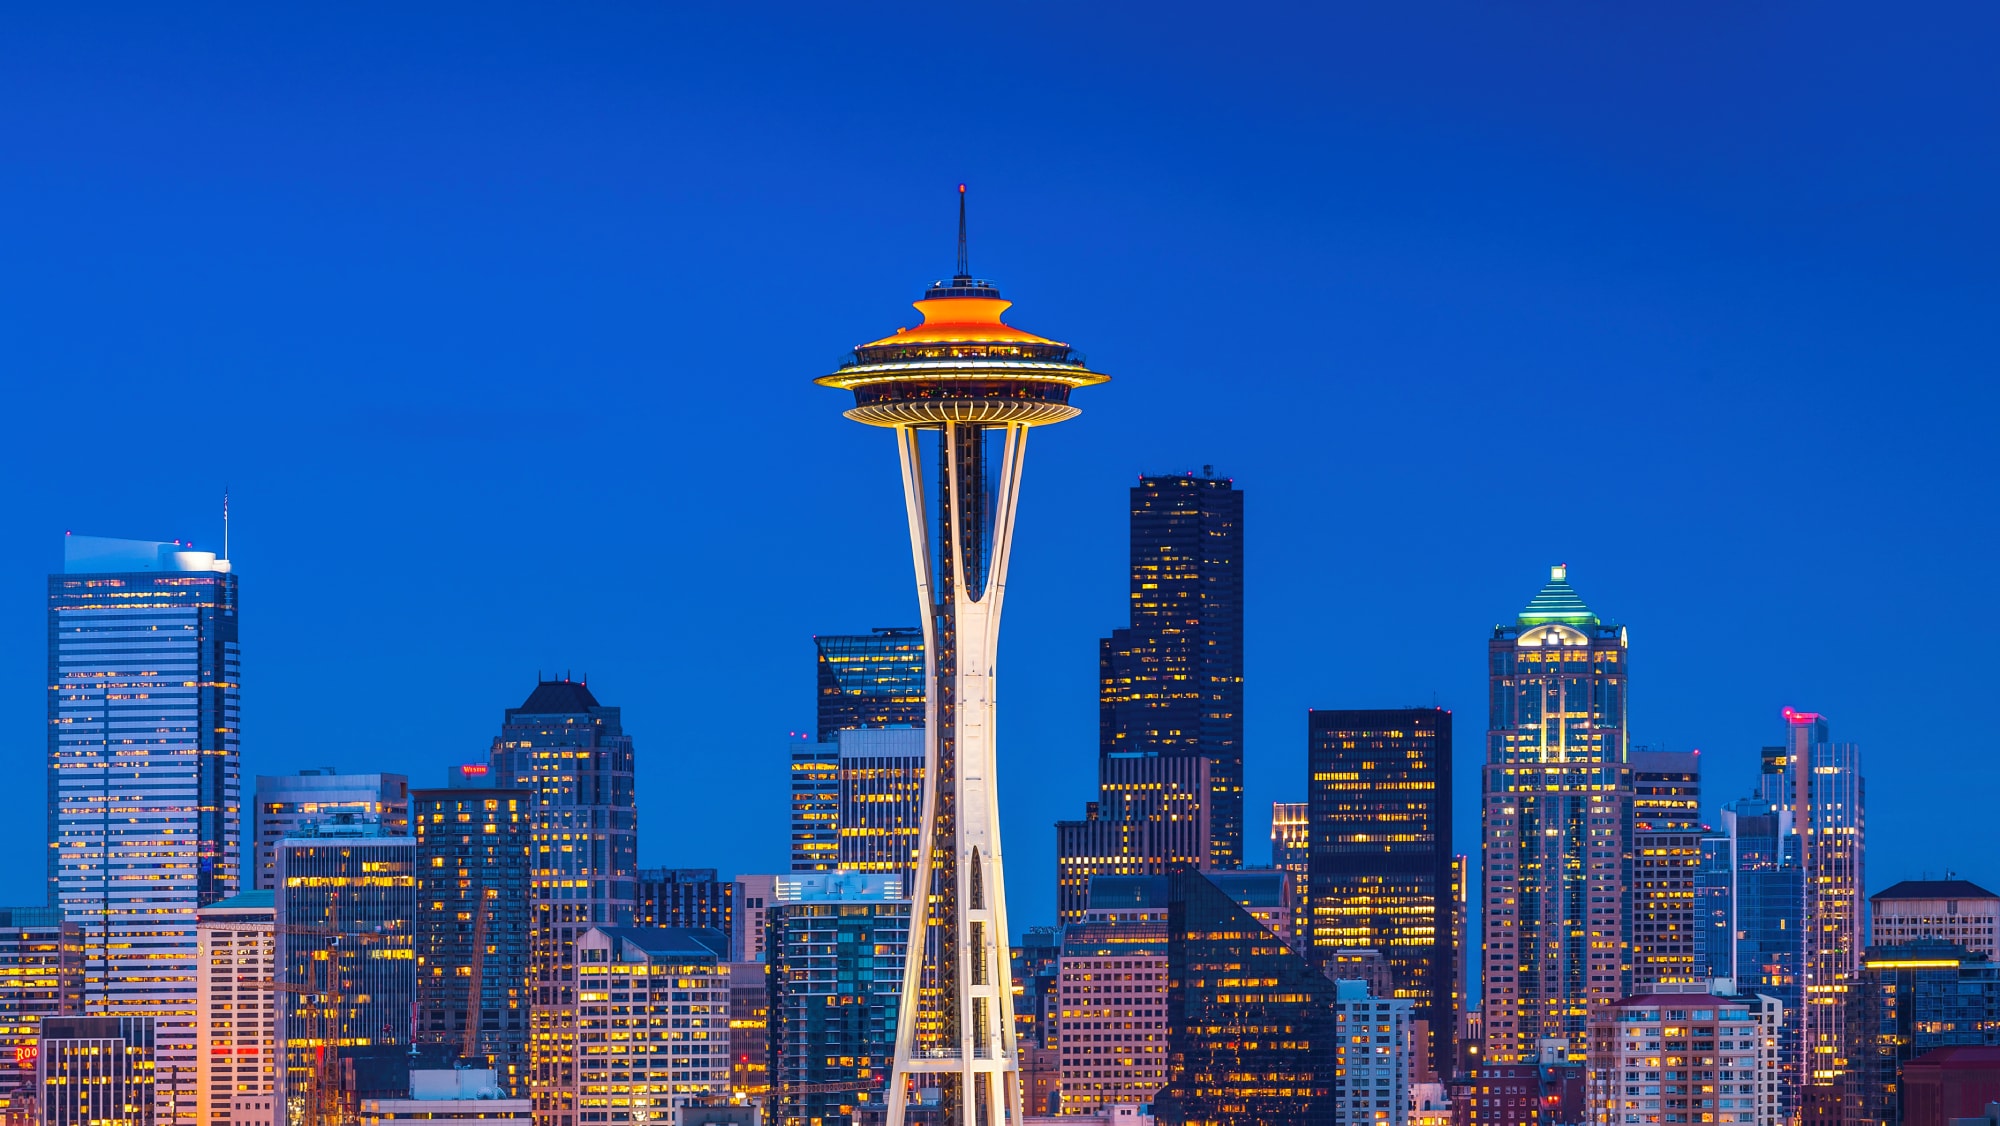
(41, 976)
(837, 943)
(1951, 909)
(875, 679)
(1219, 1074)
(236, 1037)
(143, 719)
(98, 1070)
(1685, 1052)
(749, 1031)
(684, 899)
(1376, 1042)
(472, 926)
(815, 786)
(1828, 796)
(1153, 815)
(572, 755)
(1666, 865)
(1171, 682)
(1556, 826)
(652, 1022)
(1380, 866)
(286, 803)
(346, 909)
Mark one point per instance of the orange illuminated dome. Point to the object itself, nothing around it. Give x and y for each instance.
(963, 364)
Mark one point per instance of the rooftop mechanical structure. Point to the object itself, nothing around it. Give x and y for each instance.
(961, 391)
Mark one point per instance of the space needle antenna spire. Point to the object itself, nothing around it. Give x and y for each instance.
(964, 261)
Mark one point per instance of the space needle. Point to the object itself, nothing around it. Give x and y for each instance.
(961, 391)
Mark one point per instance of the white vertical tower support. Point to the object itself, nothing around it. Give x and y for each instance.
(973, 384)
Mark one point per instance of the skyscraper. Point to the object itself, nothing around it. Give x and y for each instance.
(857, 801)
(1380, 865)
(472, 926)
(346, 911)
(237, 1061)
(285, 803)
(573, 756)
(836, 957)
(96, 1070)
(1291, 850)
(1827, 812)
(1752, 877)
(142, 712)
(41, 976)
(977, 385)
(874, 679)
(1172, 681)
(1666, 849)
(1240, 1056)
(652, 1022)
(1111, 1000)
(1153, 814)
(1556, 821)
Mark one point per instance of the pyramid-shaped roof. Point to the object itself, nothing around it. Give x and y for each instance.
(1558, 602)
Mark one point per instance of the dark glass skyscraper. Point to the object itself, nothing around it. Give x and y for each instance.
(875, 679)
(1251, 1025)
(473, 924)
(572, 754)
(1379, 873)
(1171, 683)
(1666, 850)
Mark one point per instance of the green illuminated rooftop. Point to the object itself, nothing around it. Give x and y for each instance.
(1558, 602)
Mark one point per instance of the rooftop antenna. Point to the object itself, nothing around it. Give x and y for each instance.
(225, 521)
(964, 264)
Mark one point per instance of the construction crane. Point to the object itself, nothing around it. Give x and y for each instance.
(473, 1009)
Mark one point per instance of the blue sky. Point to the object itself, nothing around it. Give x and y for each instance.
(499, 323)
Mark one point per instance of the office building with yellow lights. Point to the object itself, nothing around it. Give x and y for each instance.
(1153, 814)
(836, 955)
(652, 1023)
(1685, 1052)
(1666, 865)
(345, 910)
(41, 976)
(99, 1071)
(1908, 999)
(1556, 826)
(1828, 799)
(572, 755)
(1380, 861)
(143, 713)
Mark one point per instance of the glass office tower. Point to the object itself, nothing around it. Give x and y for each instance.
(1240, 1055)
(1827, 797)
(346, 910)
(1666, 850)
(573, 756)
(1380, 861)
(1764, 897)
(143, 720)
(874, 679)
(473, 928)
(1171, 683)
(285, 802)
(1556, 821)
(837, 945)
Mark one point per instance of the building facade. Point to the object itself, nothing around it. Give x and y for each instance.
(345, 910)
(836, 955)
(874, 679)
(754, 895)
(1755, 881)
(472, 926)
(144, 687)
(684, 899)
(1380, 865)
(41, 976)
(1171, 682)
(1950, 909)
(99, 1071)
(1556, 826)
(1377, 1042)
(1250, 1023)
(1666, 865)
(749, 1032)
(880, 800)
(1153, 815)
(460, 1096)
(1291, 850)
(286, 803)
(1686, 1052)
(652, 1022)
(236, 1038)
(1111, 1011)
(1908, 1000)
(572, 755)
(1828, 797)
